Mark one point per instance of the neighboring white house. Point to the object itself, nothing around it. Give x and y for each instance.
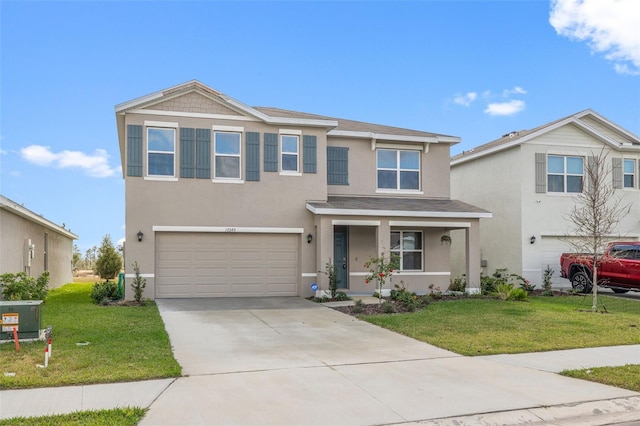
(529, 180)
(33, 244)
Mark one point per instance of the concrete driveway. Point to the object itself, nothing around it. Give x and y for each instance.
(288, 361)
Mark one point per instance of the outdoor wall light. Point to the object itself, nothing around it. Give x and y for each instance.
(139, 234)
(309, 238)
(532, 240)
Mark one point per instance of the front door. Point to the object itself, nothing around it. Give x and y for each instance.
(340, 253)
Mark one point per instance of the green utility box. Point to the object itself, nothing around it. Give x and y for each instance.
(25, 315)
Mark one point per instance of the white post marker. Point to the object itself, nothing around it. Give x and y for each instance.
(46, 357)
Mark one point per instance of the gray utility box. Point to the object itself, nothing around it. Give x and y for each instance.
(25, 315)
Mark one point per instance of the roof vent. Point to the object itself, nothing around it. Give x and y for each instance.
(511, 135)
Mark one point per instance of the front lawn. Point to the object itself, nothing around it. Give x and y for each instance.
(115, 417)
(91, 344)
(477, 326)
(627, 376)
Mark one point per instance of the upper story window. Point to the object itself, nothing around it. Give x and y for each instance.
(407, 246)
(629, 173)
(161, 150)
(289, 152)
(227, 155)
(565, 173)
(398, 170)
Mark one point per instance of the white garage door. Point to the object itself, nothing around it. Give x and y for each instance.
(552, 248)
(226, 265)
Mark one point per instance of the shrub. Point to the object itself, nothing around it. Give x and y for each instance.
(506, 291)
(410, 300)
(104, 292)
(359, 307)
(458, 284)
(138, 284)
(341, 295)
(388, 307)
(20, 286)
(546, 282)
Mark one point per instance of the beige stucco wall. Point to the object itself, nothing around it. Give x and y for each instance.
(15, 231)
(362, 169)
(276, 201)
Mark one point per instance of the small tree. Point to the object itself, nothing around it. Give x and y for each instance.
(596, 213)
(138, 284)
(109, 262)
(331, 273)
(379, 270)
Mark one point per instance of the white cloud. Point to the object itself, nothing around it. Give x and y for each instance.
(505, 108)
(611, 27)
(96, 165)
(466, 99)
(517, 90)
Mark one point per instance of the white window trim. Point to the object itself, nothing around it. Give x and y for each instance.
(295, 172)
(161, 125)
(634, 174)
(565, 174)
(398, 170)
(401, 231)
(239, 156)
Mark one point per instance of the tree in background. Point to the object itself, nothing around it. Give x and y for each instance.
(76, 259)
(109, 262)
(596, 213)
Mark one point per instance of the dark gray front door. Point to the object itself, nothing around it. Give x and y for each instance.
(340, 252)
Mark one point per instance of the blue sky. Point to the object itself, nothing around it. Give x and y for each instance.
(471, 69)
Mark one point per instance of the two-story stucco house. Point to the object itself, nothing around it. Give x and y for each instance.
(223, 199)
(529, 180)
(33, 244)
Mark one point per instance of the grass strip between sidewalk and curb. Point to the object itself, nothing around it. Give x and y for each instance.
(91, 344)
(115, 417)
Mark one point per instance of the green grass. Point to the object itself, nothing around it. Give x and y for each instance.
(627, 377)
(477, 326)
(116, 417)
(125, 344)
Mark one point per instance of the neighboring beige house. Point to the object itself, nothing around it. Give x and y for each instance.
(223, 199)
(529, 180)
(32, 244)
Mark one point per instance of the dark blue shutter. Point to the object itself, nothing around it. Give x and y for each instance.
(187, 152)
(270, 152)
(309, 157)
(252, 142)
(134, 150)
(337, 165)
(203, 153)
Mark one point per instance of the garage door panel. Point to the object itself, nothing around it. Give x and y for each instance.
(226, 265)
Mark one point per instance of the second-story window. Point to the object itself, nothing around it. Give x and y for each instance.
(161, 146)
(629, 173)
(398, 169)
(565, 173)
(289, 150)
(226, 155)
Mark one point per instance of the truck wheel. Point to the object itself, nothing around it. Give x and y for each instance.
(581, 282)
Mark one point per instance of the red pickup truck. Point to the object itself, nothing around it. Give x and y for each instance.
(618, 268)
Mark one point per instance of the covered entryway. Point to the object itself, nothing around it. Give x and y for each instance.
(227, 264)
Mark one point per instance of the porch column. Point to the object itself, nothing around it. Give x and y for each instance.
(384, 239)
(472, 268)
(324, 247)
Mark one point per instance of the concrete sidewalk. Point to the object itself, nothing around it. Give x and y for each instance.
(293, 362)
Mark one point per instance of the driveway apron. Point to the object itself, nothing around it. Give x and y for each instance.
(289, 361)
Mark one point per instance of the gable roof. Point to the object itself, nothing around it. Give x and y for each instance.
(625, 141)
(20, 210)
(277, 116)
